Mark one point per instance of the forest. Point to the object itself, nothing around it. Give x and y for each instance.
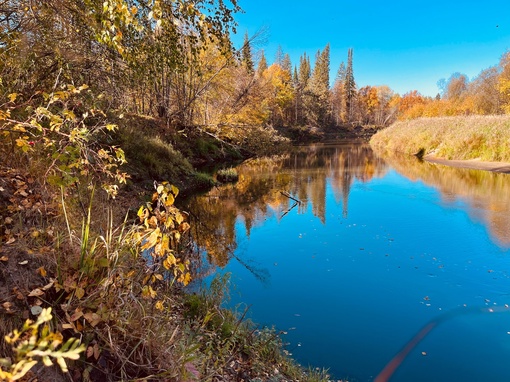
(108, 111)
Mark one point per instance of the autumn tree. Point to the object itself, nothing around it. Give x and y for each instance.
(504, 81)
(485, 91)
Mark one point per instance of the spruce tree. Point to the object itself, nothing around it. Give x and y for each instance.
(338, 107)
(262, 66)
(279, 57)
(287, 64)
(246, 58)
(350, 87)
(317, 95)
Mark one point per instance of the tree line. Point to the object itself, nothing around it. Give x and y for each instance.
(175, 60)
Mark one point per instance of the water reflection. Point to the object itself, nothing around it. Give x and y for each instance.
(379, 247)
(486, 194)
(264, 188)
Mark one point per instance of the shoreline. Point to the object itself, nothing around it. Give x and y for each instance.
(473, 164)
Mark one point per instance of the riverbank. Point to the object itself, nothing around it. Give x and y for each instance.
(70, 248)
(474, 164)
(479, 142)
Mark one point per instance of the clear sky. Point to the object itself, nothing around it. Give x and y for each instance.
(406, 45)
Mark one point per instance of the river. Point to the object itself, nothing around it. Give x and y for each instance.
(351, 254)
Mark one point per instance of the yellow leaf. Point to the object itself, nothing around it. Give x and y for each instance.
(13, 96)
(159, 305)
(79, 293)
(147, 292)
(170, 261)
(4, 258)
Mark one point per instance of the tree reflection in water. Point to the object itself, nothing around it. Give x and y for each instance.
(486, 194)
(260, 194)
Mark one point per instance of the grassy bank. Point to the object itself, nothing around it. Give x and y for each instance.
(113, 271)
(486, 138)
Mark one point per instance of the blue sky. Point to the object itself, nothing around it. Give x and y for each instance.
(403, 44)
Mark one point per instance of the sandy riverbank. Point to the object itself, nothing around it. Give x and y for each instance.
(475, 164)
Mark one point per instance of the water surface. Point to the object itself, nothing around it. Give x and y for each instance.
(374, 250)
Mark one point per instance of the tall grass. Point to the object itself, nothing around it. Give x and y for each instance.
(486, 138)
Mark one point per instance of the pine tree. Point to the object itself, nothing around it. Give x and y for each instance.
(246, 58)
(350, 87)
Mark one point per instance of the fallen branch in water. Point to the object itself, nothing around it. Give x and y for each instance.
(286, 194)
(297, 202)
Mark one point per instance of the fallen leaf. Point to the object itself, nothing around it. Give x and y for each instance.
(90, 351)
(67, 326)
(36, 293)
(4, 258)
(24, 262)
(42, 271)
(76, 315)
(92, 318)
(10, 241)
(79, 293)
(48, 286)
(8, 220)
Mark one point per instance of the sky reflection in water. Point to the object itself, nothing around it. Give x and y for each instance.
(378, 249)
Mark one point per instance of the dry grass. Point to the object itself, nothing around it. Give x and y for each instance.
(468, 137)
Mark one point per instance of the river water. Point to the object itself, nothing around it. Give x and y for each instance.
(351, 254)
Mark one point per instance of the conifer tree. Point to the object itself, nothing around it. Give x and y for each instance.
(280, 56)
(350, 87)
(246, 58)
(338, 107)
(302, 75)
(287, 64)
(262, 66)
(317, 95)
